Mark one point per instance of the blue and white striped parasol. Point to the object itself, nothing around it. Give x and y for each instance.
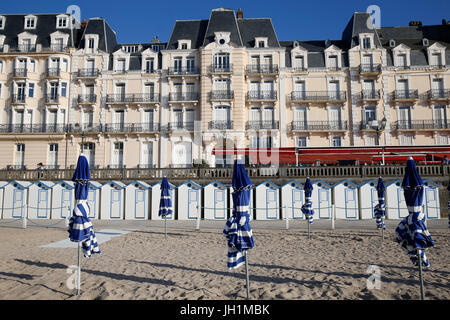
(307, 209)
(80, 226)
(237, 229)
(380, 209)
(165, 203)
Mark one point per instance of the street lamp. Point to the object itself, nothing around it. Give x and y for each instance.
(83, 134)
(379, 127)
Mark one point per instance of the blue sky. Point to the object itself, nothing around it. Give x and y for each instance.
(140, 21)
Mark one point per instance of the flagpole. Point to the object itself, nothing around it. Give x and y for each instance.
(422, 291)
(79, 269)
(246, 274)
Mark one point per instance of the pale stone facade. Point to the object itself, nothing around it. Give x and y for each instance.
(226, 79)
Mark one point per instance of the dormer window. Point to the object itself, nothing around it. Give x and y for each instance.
(366, 43)
(184, 44)
(91, 43)
(261, 42)
(61, 22)
(2, 23)
(30, 22)
(130, 49)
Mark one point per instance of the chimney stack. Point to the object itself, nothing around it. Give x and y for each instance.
(240, 14)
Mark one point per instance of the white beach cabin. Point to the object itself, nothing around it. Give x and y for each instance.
(93, 199)
(112, 200)
(39, 199)
(137, 200)
(395, 200)
(267, 201)
(2, 191)
(431, 199)
(292, 199)
(62, 198)
(346, 200)
(15, 199)
(156, 197)
(368, 198)
(216, 201)
(189, 200)
(321, 199)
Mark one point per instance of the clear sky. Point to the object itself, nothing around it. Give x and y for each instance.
(140, 21)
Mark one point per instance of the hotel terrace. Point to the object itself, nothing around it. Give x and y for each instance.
(67, 86)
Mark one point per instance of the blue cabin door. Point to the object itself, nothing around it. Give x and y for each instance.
(192, 203)
(271, 204)
(324, 204)
(115, 204)
(219, 204)
(42, 206)
(351, 209)
(140, 204)
(66, 202)
(297, 203)
(17, 208)
(91, 200)
(431, 203)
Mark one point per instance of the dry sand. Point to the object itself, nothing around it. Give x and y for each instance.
(192, 265)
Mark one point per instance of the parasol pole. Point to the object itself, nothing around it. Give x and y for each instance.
(79, 269)
(246, 274)
(309, 235)
(422, 290)
(165, 226)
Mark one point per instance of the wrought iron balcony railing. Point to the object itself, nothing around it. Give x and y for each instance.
(367, 125)
(262, 69)
(437, 66)
(53, 72)
(439, 94)
(262, 95)
(370, 94)
(55, 47)
(85, 127)
(222, 94)
(132, 97)
(369, 68)
(189, 126)
(130, 127)
(32, 128)
(405, 95)
(222, 68)
(220, 125)
(299, 69)
(318, 96)
(23, 48)
(20, 73)
(18, 98)
(319, 125)
(51, 98)
(184, 71)
(183, 96)
(87, 73)
(87, 98)
(421, 124)
(262, 125)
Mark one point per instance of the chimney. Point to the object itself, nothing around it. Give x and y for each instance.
(240, 14)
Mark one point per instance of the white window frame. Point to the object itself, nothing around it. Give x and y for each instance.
(2, 22)
(30, 18)
(185, 42)
(264, 40)
(61, 18)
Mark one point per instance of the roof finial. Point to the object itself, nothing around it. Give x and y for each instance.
(240, 14)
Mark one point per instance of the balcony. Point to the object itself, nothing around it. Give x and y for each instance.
(130, 127)
(222, 68)
(369, 69)
(183, 97)
(18, 99)
(370, 95)
(32, 128)
(221, 95)
(53, 72)
(299, 69)
(264, 95)
(261, 69)
(319, 126)
(56, 47)
(51, 99)
(405, 95)
(421, 125)
(185, 126)
(439, 94)
(87, 73)
(23, 48)
(318, 96)
(367, 125)
(185, 71)
(20, 73)
(262, 125)
(85, 128)
(220, 125)
(437, 66)
(87, 98)
(133, 98)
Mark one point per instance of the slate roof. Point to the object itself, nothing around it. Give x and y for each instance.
(107, 36)
(360, 22)
(45, 25)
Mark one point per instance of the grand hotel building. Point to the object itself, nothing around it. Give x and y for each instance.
(66, 86)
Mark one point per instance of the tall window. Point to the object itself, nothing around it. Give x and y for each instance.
(401, 60)
(149, 65)
(121, 65)
(190, 65)
(436, 59)
(63, 89)
(333, 60)
(20, 155)
(177, 64)
(147, 155)
(336, 141)
(301, 142)
(118, 155)
(53, 155)
(31, 90)
(299, 62)
(366, 43)
(369, 114)
(222, 61)
(147, 120)
(1, 66)
(91, 43)
(406, 140)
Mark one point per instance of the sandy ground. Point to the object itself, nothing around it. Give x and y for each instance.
(191, 264)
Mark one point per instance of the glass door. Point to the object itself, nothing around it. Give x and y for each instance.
(404, 118)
